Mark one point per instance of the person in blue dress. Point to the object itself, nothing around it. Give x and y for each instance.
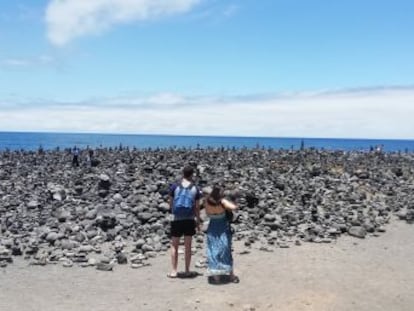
(219, 236)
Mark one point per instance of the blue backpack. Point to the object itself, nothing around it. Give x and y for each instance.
(183, 201)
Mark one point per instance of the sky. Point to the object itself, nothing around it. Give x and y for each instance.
(278, 68)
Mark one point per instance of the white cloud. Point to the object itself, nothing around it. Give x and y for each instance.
(364, 113)
(42, 60)
(217, 12)
(69, 19)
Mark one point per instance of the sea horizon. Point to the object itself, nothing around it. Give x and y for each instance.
(32, 140)
(200, 135)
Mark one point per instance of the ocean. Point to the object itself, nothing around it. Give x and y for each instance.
(32, 141)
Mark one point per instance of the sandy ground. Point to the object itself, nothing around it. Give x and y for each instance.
(371, 274)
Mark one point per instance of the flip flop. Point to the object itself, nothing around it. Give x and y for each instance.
(191, 274)
(171, 276)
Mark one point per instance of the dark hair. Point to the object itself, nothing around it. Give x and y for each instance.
(215, 197)
(188, 172)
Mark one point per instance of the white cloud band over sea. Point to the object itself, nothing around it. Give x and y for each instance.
(378, 112)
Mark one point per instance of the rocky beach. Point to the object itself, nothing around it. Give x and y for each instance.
(310, 222)
(113, 208)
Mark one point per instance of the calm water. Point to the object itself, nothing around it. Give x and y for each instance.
(32, 141)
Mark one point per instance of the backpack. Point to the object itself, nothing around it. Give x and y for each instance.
(183, 201)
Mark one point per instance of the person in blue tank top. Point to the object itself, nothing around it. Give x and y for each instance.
(185, 208)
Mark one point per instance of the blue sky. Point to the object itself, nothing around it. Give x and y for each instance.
(285, 66)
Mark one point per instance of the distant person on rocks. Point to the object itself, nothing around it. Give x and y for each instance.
(75, 159)
(219, 236)
(184, 204)
(379, 149)
(89, 157)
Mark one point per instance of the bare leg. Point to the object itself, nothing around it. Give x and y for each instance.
(234, 278)
(187, 244)
(175, 241)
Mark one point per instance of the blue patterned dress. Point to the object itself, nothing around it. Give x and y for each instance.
(220, 260)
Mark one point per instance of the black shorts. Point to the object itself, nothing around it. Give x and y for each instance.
(184, 227)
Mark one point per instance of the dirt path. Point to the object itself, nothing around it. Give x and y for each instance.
(371, 274)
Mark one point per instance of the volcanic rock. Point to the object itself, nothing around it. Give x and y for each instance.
(285, 197)
(357, 231)
(104, 267)
(121, 258)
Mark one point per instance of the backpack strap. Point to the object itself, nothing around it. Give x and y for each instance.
(190, 186)
(180, 187)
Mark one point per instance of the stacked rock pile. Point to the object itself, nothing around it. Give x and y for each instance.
(116, 211)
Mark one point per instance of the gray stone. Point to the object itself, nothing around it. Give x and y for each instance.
(147, 248)
(144, 216)
(104, 184)
(85, 248)
(4, 251)
(381, 229)
(91, 214)
(16, 250)
(117, 198)
(6, 258)
(104, 177)
(152, 254)
(67, 263)
(57, 196)
(52, 237)
(6, 242)
(137, 265)
(67, 244)
(63, 215)
(104, 267)
(164, 207)
(91, 234)
(357, 231)
(269, 217)
(121, 258)
(402, 214)
(33, 204)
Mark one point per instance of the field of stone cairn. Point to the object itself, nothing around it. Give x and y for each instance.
(113, 209)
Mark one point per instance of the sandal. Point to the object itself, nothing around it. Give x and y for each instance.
(171, 276)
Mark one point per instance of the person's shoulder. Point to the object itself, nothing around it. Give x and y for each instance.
(173, 186)
(199, 192)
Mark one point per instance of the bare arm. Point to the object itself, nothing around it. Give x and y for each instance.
(197, 210)
(197, 214)
(229, 205)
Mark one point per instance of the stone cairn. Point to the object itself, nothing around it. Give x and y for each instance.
(114, 209)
